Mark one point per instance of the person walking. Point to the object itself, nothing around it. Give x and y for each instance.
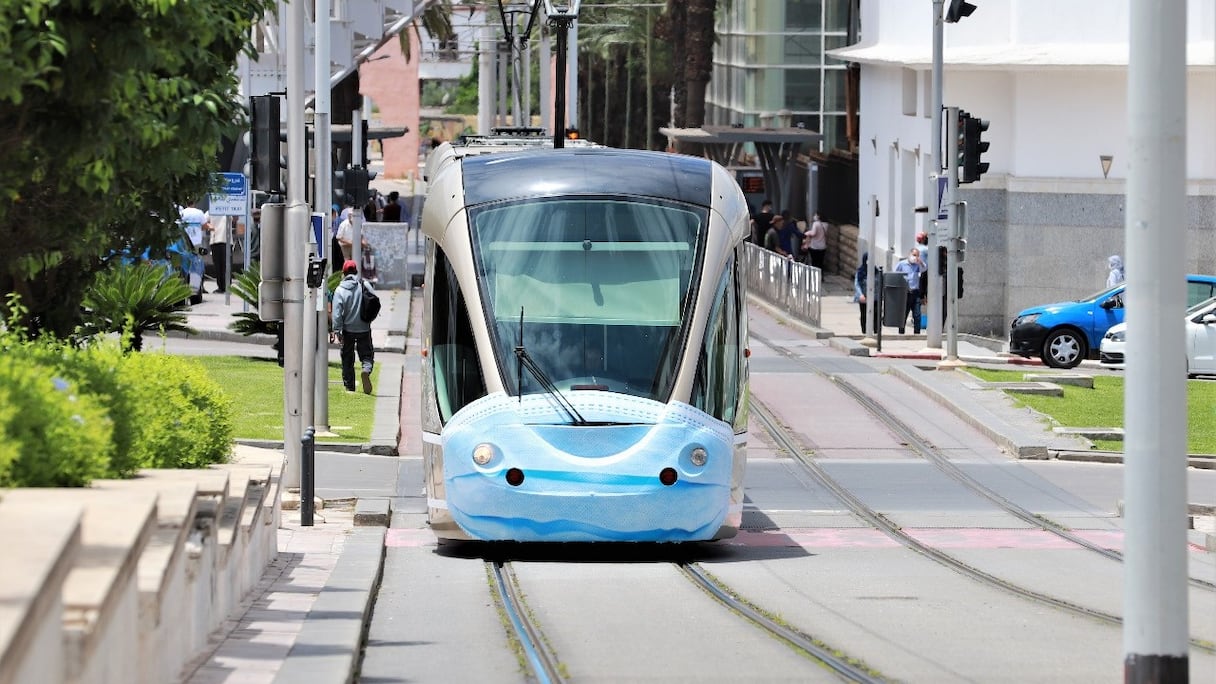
(817, 241)
(354, 334)
(761, 222)
(772, 234)
(860, 279)
(223, 230)
(911, 268)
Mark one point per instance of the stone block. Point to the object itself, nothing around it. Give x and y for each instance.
(1071, 379)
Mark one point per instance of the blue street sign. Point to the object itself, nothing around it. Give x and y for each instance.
(942, 214)
(233, 197)
(318, 234)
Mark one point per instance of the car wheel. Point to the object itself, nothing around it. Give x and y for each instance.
(1064, 349)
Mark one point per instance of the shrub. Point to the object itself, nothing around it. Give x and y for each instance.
(179, 417)
(51, 434)
(136, 298)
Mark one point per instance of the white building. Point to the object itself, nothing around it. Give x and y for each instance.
(1051, 78)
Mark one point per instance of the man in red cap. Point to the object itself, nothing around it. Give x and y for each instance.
(353, 332)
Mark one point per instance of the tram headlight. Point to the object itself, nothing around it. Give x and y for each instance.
(698, 456)
(483, 453)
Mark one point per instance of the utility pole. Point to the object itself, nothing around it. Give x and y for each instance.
(294, 259)
(957, 211)
(933, 333)
(324, 162)
(1155, 576)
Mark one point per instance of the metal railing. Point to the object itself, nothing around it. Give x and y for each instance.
(794, 287)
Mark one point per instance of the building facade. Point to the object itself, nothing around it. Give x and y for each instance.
(772, 67)
(1051, 78)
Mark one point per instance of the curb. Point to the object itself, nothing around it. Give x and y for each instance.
(328, 646)
(374, 447)
(393, 346)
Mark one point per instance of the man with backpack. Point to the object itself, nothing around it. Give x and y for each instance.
(352, 325)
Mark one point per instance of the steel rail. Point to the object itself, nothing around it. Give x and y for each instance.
(848, 668)
(541, 660)
(934, 456)
(891, 529)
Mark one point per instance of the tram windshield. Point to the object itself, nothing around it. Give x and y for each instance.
(603, 285)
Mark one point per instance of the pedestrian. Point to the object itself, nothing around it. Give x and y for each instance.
(922, 244)
(761, 221)
(223, 230)
(1115, 276)
(335, 249)
(350, 330)
(197, 224)
(790, 237)
(911, 267)
(392, 210)
(345, 237)
(817, 241)
(860, 279)
(255, 237)
(772, 234)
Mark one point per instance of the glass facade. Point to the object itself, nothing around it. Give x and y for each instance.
(770, 58)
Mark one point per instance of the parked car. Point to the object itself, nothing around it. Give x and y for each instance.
(1200, 322)
(1065, 333)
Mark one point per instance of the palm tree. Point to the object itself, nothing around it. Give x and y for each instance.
(135, 299)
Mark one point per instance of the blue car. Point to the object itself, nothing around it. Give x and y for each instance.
(1065, 333)
(181, 257)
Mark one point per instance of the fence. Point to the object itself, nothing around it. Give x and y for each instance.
(794, 287)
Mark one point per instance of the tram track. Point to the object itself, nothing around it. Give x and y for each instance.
(537, 655)
(847, 668)
(927, 451)
(544, 666)
(788, 443)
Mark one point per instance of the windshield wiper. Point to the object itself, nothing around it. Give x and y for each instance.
(526, 361)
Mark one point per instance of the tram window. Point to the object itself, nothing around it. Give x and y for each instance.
(603, 284)
(458, 376)
(719, 371)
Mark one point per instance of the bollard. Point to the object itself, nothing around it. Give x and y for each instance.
(307, 471)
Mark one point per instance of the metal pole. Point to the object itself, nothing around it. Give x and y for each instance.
(295, 227)
(308, 477)
(872, 286)
(543, 62)
(356, 214)
(324, 191)
(485, 80)
(933, 334)
(1155, 630)
(572, 72)
(960, 208)
(955, 223)
(562, 24)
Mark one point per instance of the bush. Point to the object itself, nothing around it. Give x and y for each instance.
(51, 435)
(178, 416)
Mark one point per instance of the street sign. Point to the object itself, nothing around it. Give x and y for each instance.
(318, 234)
(233, 197)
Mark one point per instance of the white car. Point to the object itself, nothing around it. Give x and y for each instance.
(1200, 340)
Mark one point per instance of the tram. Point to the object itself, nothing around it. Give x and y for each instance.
(584, 342)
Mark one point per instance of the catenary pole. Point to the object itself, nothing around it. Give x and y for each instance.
(1155, 625)
(294, 262)
(933, 333)
(321, 198)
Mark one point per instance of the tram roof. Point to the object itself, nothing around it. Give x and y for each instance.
(586, 171)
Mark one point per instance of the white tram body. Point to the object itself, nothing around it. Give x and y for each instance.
(584, 372)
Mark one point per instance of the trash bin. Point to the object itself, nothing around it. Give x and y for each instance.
(894, 300)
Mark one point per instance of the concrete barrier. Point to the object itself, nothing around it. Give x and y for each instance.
(127, 580)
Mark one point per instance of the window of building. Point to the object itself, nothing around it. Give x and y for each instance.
(804, 15)
(802, 89)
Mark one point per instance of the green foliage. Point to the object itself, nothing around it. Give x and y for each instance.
(52, 435)
(178, 416)
(245, 286)
(1102, 406)
(136, 298)
(258, 406)
(111, 113)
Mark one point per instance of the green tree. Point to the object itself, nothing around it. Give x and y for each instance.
(111, 114)
(136, 299)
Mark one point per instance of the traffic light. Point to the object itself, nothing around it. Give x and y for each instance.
(338, 187)
(265, 143)
(357, 186)
(973, 166)
(958, 9)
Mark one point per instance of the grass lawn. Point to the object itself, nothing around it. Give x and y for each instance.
(256, 388)
(1103, 407)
